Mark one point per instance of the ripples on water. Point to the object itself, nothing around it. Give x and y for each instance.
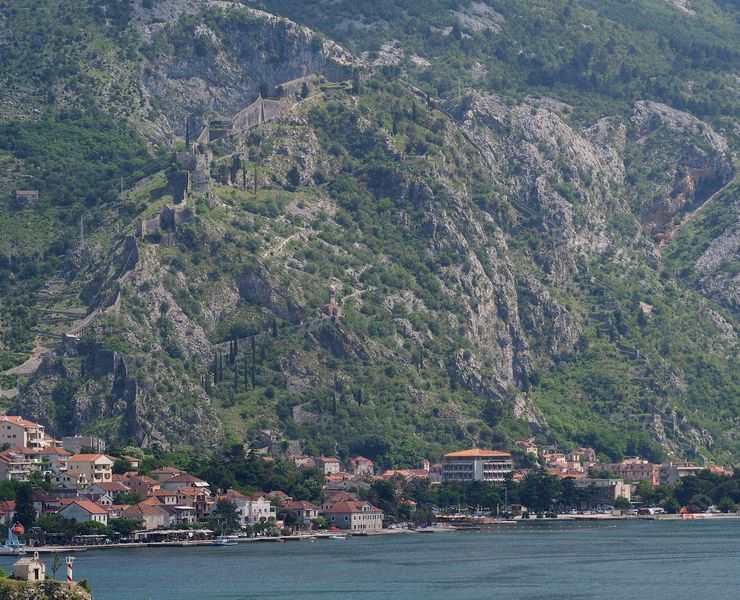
(538, 561)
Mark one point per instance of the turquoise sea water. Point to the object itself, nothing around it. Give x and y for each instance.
(546, 561)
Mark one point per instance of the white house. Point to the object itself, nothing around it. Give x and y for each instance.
(84, 510)
(253, 509)
(97, 468)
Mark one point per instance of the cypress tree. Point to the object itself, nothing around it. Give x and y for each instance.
(25, 514)
(253, 366)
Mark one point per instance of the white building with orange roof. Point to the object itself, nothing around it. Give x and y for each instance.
(15, 466)
(361, 466)
(328, 465)
(185, 480)
(46, 460)
(476, 464)
(253, 509)
(84, 510)
(143, 485)
(162, 474)
(17, 431)
(97, 468)
(152, 516)
(304, 510)
(527, 446)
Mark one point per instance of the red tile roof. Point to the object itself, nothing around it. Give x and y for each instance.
(233, 495)
(354, 506)
(113, 486)
(145, 510)
(300, 505)
(478, 453)
(18, 421)
(342, 496)
(166, 471)
(90, 507)
(185, 478)
(86, 457)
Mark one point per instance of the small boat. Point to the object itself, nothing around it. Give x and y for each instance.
(225, 540)
(337, 537)
(12, 544)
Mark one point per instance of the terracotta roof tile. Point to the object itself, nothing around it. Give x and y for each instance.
(478, 453)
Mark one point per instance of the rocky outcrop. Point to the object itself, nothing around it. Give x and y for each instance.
(678, 162)
(717, 266)
(221, 67)
(561, 177)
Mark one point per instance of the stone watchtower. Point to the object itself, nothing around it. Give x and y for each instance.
(332, 309)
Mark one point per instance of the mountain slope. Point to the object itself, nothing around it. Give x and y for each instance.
(504, 265)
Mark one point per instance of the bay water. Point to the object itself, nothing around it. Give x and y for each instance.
(657, 560)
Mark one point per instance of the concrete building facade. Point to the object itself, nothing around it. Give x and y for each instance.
(97, 468)
(476, 465)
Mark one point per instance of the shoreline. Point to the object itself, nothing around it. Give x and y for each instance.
(312, 537)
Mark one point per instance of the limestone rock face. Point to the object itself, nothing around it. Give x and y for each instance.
(687, 159)
(220, 68)
(461, 237)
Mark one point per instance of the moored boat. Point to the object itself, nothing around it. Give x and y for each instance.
(226, 540)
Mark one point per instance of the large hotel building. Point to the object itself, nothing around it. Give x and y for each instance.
(476, 465)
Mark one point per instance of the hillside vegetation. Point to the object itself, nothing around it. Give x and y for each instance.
(525, 211)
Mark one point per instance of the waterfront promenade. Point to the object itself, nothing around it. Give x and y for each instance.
(486, 523)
